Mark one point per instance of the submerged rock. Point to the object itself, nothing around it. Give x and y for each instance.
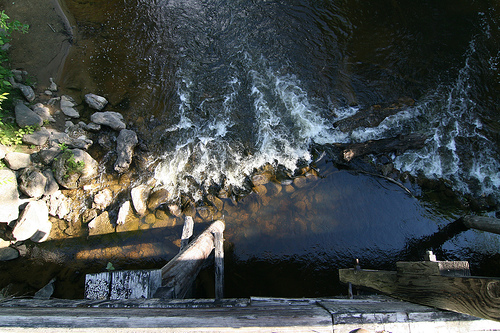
(158, 198)
(8, 253)
(96, 102)
(125, 144)
(101, 225)
(109, 118)
(9, 196)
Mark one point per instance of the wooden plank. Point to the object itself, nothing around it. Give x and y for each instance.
(180, 272)
(444, 268)
(488, 224)
(97, 286)
(187, 232)
(219, 265)
(134, 284)
(311, 318)
(476, 296)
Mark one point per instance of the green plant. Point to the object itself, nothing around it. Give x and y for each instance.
(11, 135)
(72, 166)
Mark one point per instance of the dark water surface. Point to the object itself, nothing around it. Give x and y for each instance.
(219, 88)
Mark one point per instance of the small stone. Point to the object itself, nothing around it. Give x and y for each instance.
(96, 102)
(38, 138)
(261, 179)
(26, 117)
(48, 92)
(175, 210)
(123, 213)
(16, 161)
(93, 127)
(18, 75)
(103, 199)
(300, 182)
(27, 92)
(46, 291)
(109, 118)
(32, 182)
(67, 107)
(34, 217)
(140, 196)
(43, 112)
(53, 85)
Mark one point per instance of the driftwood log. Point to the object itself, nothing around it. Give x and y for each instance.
(488, 224)
(179, 273)
(398, 145)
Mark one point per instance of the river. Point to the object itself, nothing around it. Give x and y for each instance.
(218, 89)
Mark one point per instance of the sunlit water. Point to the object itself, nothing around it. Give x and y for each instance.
(217, 89)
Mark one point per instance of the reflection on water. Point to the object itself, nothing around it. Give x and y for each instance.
(286, 240)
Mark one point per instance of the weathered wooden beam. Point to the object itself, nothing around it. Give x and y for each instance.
(443, 268)
(476, 296)
(187, 232)
(180, 272)
(219, 265)
(483, 223)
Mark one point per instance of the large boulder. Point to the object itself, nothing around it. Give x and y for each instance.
(109, 118)
(95, 101)
(73, 167)
(34, 218)
(9, 196)
(32, 182)
(125, 144)
(26, 117)
(16, 161)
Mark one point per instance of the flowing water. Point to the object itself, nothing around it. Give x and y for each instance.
(217, 89)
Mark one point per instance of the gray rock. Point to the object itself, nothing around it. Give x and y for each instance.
(59, 205)
(42, 111)
(46, 156)
(8, 253)
(158, 198)
(95, 101)
(18, 75)
(16, 161)
(32, 182)
(123, 213)
(51, 186)
(9, 196)
(125, 144)
(140, 196)
(67, 107)
(71, 178)
(102, 199)
(109, 118)
(27, 92)
(26, 117)
(53, 85)
(38, 138)
(34, 217)
(58, 138)
(46, 291)
(93, 127)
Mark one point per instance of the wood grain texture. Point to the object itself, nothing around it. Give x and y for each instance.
(476, 296)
